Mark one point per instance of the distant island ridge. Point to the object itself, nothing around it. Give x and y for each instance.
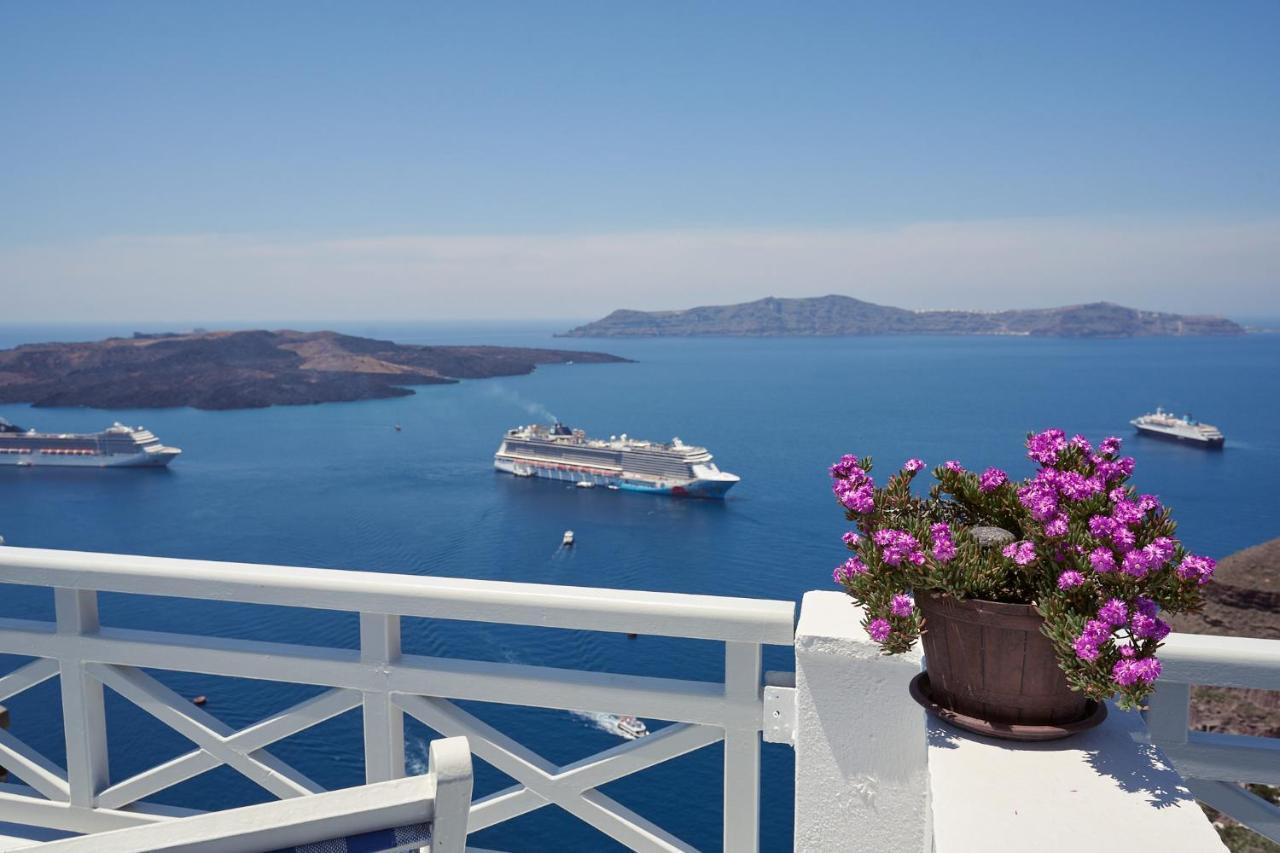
(250, 369)
(836, 315)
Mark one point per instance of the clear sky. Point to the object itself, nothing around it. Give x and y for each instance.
(393, 160)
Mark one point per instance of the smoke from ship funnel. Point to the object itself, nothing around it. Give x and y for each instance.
(531, 407)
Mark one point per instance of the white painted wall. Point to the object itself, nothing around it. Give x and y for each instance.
(862, 781)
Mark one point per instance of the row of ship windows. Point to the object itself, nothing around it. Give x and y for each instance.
(26, 451)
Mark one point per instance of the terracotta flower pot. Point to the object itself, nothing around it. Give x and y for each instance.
(989, 662)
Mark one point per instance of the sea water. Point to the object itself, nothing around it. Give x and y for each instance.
(337, 486)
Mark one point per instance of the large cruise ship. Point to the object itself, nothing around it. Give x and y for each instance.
(118, 446)
(1162, 424)
(559, 453)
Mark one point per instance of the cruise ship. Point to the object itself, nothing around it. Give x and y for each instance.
(117, 446)
(559, 453)
(1162, 424)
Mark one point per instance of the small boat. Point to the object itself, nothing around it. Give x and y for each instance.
(613, 487)
(625, 725)
(397, 427)
(585, 484)
(567, 542)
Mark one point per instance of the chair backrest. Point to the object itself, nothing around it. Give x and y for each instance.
(403, 814)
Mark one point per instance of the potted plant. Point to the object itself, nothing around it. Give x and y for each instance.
(1036, 600)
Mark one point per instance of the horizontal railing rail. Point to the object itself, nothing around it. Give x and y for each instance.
(380, 680)
(1216, 765)
(704, 617)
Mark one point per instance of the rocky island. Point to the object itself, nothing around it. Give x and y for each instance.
(844, 315)
(250, 369)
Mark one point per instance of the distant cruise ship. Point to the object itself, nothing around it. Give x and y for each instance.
(1164, 425)
(560, 453)
(118, 446)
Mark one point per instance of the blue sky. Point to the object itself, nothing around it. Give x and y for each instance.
(448, 159)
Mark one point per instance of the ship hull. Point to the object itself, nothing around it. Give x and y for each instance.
(118, 460)
(709, 489)
(1208, 443)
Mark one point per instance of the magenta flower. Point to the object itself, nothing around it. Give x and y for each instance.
(898, 546)
(879, 629)
(1069, 579)
(1044, 447)
(1109, 446)
(1149, 503)
(1123, 538)
(1148, 627)
(848, 570)
(1022, 553)
(953, 465)
(913, 465)
(902, 605)
(1102, 560)
(1079, 441)
(992, 479)
(1129, 671)
(845, 467)
(1114, 612)
(1199, 569)
(1056, 526)
(944, 547)
(850, 538)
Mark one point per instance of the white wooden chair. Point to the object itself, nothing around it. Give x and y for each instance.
(419, 812)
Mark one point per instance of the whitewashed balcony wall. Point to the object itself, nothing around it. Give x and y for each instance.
(380, 680)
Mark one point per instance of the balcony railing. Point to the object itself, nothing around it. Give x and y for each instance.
(843, 679)
(1215, 765)
(379, 679)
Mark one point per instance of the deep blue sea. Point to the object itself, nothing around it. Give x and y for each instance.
(337, 486)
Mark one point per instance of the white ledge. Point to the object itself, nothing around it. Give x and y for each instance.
(1099, 788)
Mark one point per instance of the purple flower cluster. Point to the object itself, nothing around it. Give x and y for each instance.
(1040, 497)
(852, 486)
(1102, 560)
(944, 547)
(898, 546)
(1044, 447)
(1110, 446)
(1114, 612)
(1130, 670)
(913, 465)
(1199, 569)
(1110, 470)
(953, 465)
(1080, 442)
(1069, 579)
(879, 629)
(848, 570)
(1022, 553)
(902, 605)
(850, 538)
(992, 479)
(1088, 644)
(1076, 486)
(1149, 558)
(1148, 627)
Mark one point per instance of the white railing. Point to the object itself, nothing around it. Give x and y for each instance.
(1216, 765)
(384, 683)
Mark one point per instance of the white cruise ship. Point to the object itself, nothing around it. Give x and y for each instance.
(1162, 424)
(117, 446)
(560, 453)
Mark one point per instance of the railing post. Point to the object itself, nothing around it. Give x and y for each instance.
(861, 742)
(84, 718)
(383, 721)
(1169, 713)
(742, 752)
